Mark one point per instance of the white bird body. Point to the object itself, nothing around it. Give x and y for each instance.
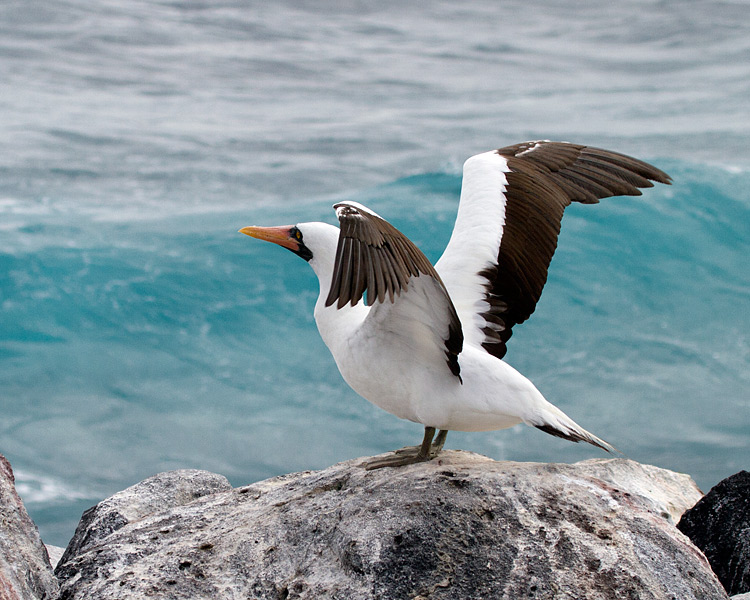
(428, 344)
(383, 359)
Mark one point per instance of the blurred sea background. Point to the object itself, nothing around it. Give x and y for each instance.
(139, 332)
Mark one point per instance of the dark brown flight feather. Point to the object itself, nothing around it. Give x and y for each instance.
(373, 256)
(543, 179)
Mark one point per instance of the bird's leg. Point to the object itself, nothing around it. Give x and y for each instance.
(438, 443)
(406, 456)
(424, 450)
(414, 450)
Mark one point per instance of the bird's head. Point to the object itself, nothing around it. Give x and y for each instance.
(288, 236)
(315, 242)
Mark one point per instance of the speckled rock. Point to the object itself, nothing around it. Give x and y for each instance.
(55, 554)
(720, 526)
(460, 527)
(153, 495)
(25, 571)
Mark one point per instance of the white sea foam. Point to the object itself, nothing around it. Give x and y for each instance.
(39, 489)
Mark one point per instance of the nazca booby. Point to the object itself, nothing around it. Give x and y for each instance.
(426, 343)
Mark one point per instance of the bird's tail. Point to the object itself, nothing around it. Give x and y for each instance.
(557, 423)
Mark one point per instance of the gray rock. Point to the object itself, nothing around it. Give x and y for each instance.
(720, 526)
(462, 526)
(152, 495)
(25, 572)
(665, 492)
(55, 553)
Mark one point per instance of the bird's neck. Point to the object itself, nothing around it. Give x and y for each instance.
(336, 325)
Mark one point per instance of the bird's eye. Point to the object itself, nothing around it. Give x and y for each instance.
(298, 234)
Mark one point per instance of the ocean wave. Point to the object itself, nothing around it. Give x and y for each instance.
(38, 489)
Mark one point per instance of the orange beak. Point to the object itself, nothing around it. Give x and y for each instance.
(277, 235)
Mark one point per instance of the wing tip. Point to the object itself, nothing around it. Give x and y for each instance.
(578, 436)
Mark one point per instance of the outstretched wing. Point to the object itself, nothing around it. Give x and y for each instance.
(401, 285)
(512, 203)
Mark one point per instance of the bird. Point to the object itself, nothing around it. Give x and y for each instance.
(427, 342)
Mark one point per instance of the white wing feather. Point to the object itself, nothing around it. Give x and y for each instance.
(475, 241)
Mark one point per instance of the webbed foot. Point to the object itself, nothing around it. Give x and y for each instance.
(411, 454)
(395, 460)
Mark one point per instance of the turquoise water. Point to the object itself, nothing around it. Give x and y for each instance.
(140, 332)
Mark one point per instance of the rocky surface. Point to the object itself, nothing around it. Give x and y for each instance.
(461, 527)
(55, 554)
(153, 495)
(25, 572)
(720, 526)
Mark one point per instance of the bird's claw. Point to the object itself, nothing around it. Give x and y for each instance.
(396, 460)
(410, 455)
(407, 450)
